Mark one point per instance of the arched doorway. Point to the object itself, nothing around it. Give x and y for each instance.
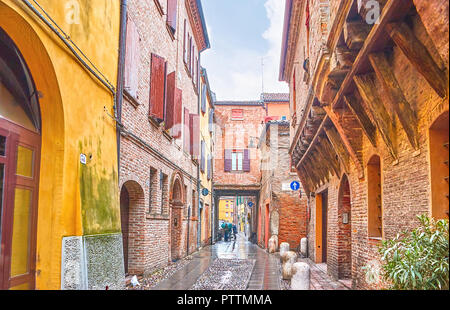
(176, 218)
(20, 148)
(132, 214)
(266, 226)
(344, 236)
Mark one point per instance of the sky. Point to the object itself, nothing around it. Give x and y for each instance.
(243, 34)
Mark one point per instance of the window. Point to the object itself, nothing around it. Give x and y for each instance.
(153, 186)
(374, 196)
(172, 15)
(237, 161)
(132, 57)
(439, 151)
(237, 114)
(184, 44)
(164, 185)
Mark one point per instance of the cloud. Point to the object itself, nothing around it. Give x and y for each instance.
(235, 72)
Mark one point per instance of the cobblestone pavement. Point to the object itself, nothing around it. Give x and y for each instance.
(226, 274)
(264, 268)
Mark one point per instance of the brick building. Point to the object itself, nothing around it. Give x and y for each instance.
(237, 158)
(282, 211)
(369, 100)
(160, 134)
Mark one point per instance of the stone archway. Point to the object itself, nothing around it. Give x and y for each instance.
(344, 233)
(46, 235)
(132, 213)
(177, 200)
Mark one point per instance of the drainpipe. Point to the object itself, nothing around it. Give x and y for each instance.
(120, 75)
(199, 227)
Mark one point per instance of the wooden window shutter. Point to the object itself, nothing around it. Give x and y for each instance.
(227, 161)
(246, 162)
(187, 136)
(195, 135)
(157, 87)
(172, 14)
(211, 121)
(132, 56)
(204, 93)
(203, 157)
(184, 43)
(209, 174)
(173, 106)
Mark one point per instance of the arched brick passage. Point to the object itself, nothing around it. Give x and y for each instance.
(176, 215)
(344, 234)
(132, 211)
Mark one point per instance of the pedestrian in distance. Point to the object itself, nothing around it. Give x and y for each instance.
(234, 231)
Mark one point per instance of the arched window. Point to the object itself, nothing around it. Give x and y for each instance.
(374, 196)
(439, 166)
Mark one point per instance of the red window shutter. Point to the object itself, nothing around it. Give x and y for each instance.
(170, 100)
(172, 14)
(246, 162)
(157, 87)
(177, 121)
(132, 56)
(195, 135)
(187, 131)
(228, 161)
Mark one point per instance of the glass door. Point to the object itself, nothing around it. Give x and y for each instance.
(19, 172)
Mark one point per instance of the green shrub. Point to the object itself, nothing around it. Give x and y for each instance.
(418, 260)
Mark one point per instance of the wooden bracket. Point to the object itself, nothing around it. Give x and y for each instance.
(340, 139)
(366, 124)
(368, 90)
(398, 102)
(338, 146)
(419, 56)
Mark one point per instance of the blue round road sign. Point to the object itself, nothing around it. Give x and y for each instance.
(250, 204)
(295, 186)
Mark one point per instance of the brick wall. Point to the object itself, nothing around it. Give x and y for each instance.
(148, 151)
(406, 189)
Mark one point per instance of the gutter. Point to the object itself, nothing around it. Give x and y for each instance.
(286, 32)
(120, 75)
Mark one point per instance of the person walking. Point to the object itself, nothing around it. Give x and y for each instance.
(234, 231)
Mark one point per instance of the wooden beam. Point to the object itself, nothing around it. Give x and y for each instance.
(355, 34)
(368, 91)
(321, 164)
(419, 56)
(304, 179)
(366, 124)
(338, 146)
(328, 157)
(400, 105)
(328, 148)
(345, 141)
(312, 173)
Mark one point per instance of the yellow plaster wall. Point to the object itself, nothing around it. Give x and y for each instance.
(74, 200)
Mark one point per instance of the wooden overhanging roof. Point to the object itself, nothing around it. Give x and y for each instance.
(197, 19)
(321, 144)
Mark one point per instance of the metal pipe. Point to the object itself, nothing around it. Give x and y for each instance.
(120, 75)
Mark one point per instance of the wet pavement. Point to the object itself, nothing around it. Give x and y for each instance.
(203, 271)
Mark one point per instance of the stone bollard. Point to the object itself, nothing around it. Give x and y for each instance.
(286, 271)
(300, 277)
(290, 257)
(284, 247)
(273, 244)
(304, 247)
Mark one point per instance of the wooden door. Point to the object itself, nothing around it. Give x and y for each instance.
(266, 227)
(324, 226)
(19, 170)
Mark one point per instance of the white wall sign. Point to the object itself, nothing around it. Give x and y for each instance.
(83, 159)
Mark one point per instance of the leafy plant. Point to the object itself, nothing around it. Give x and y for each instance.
(418, 260)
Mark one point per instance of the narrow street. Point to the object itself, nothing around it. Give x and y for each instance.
(227, 265)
